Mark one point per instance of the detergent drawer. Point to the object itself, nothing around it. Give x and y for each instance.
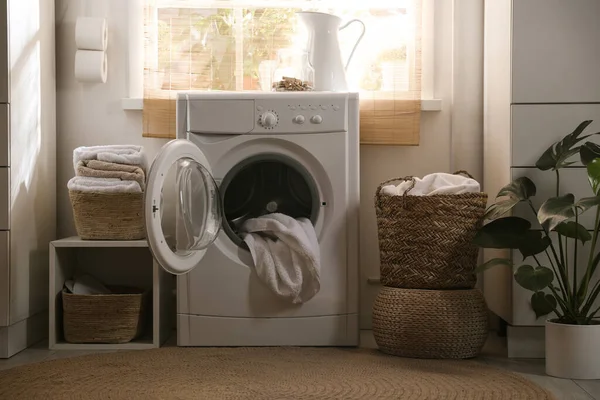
(221, 116)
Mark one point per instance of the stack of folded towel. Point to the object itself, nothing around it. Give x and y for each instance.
(109, 169)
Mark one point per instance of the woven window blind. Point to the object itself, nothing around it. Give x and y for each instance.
(205, 45)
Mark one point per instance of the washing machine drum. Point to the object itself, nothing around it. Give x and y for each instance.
(264, 184)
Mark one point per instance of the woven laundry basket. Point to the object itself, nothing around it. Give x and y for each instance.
(430, 323)
(104, 318)
(108, 216)
(426, 242)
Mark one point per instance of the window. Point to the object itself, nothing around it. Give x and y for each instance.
(249, 45)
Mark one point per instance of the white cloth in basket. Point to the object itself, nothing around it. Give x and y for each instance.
(103, 185)
(437, 183)
(120, 154)
(86, 284)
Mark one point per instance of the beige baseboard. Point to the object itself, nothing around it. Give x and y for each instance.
(17, 337)
(526, 341)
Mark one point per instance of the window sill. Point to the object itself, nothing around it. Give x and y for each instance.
(431, 104)
(137, 104)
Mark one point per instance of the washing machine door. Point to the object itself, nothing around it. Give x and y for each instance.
(182, 206)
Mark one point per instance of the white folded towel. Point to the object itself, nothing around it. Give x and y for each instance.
(103, 185)
(289, 265)
(120, 154)
(86, 284)
(432, 184)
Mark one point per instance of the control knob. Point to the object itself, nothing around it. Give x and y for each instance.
(268, 119)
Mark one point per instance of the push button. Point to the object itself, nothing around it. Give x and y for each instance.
(298, 119)
(336, 108)
(317, 119)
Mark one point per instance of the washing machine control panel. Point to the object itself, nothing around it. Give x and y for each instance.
(246, 113)
(301, 114)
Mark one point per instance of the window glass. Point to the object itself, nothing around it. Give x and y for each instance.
(249, 48)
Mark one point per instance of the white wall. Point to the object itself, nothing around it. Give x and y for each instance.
(379, 163)
(93, 115)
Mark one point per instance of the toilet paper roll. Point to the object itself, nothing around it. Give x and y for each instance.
(91, 66)
(91, 34)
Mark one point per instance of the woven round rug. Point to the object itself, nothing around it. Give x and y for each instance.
(261, 373)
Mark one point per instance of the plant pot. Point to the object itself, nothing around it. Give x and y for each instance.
(573, 351)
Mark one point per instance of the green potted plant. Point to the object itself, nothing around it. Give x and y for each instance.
(551, 254)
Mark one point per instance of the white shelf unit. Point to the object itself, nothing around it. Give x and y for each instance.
(126, 263)
(534, 95)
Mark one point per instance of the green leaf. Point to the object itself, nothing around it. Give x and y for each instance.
(503, 233)
(555, 210)
(574, 230)
(586, 203)
(562, 160)
(500, 208)
(568, 164)
(534, 279)
(588, 152)
(532, 243)
(492, 263)
(542, 304)
(518, 190)
(521, 189)
(556, 155)
(593, 170)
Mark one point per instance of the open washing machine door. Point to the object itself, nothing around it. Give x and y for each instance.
(182, 206)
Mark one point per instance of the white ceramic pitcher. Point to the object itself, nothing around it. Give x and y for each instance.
(324, 49)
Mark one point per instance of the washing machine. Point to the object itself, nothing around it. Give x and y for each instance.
(240, 155)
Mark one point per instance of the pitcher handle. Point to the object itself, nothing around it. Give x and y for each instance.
(364, 29)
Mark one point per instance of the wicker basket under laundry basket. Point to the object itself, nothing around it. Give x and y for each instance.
(425, 242)
(108, 216)
(430, 323)
(104, 318)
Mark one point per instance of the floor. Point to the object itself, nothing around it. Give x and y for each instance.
(494, 354)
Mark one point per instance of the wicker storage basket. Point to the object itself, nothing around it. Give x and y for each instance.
(108, 216)
(425, 242)
(104, 318)
(430, 323)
